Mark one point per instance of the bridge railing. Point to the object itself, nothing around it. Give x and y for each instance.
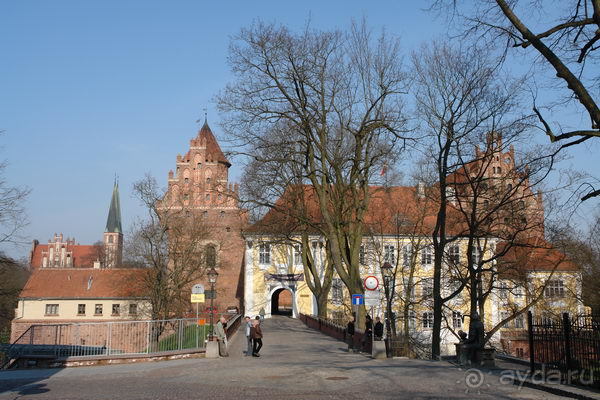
(336, 329)
(95, 339)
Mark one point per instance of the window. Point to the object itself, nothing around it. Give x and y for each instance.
(199, 165)
(427, 287)
(504, 315)
(133, 309)
(211, 256)
(409, 287)
(207, 197)
(428, 319)
(456, 319)
(361, 255)
(412, 320)
(80, 309)
(337, 291)
(207, 180)
(499, 170)
(186, 180)
(407, 255)
(204, 214)
(476, 254)
(264, 253)
(426, 258)
(110, 239)
(503, 290)
(297, 254)
(519, 352)
(555, 288)
(519, 322)
(98, 309)
(186, 196)
(222, 214)
(454, 254)
(116, 309)
(389, 254)
(509, 187)
(518, 292)
(51, 309)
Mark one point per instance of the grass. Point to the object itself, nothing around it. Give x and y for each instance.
(188, 337)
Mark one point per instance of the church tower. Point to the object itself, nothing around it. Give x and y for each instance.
(113, 234)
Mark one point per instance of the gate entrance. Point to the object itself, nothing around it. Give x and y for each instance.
(281, 302)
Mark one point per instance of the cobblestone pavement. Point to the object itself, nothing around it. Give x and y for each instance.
(295, 363)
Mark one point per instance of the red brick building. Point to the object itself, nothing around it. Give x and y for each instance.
(200, 184)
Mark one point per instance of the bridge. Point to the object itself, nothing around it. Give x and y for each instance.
(296, 363)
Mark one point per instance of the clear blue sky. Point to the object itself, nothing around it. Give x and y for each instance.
(90, 89)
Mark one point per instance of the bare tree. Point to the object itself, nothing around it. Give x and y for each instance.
(484, 195)
(338, 95)
(13, 275)
(12, 210)
(563, 38)
(172, 243)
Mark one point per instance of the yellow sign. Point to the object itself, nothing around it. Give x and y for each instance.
(197, 298)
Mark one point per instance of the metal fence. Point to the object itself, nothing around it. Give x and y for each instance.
(113, 338)
(570, 346)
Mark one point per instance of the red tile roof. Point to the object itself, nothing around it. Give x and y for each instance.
(69, 283)
(212, 146)
(391, 210)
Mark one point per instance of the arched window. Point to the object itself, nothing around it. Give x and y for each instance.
(110, 239)
(211, 256)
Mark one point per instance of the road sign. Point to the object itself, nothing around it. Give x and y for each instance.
(198, 288)
(371, 282)
(358, 299)
(197, 298)
(372, 298)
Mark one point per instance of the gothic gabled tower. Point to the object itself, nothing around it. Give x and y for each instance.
(113, 234)
(200, 183)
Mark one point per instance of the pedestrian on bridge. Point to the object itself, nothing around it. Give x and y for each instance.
(222, 336)
(350, 333)
(248, 331)
(257, 336)
(378, 329)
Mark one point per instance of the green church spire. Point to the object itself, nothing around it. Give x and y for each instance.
(113, 222)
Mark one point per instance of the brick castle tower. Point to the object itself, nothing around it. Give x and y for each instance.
(201, 185)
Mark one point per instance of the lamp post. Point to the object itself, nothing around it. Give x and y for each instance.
(212, 279)
(388, 280)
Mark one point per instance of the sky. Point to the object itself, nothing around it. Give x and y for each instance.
(93, 89)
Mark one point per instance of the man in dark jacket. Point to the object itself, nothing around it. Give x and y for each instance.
(350, 333)
(378, 329)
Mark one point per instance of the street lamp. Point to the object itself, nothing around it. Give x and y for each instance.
(388, 280)
(212, 279)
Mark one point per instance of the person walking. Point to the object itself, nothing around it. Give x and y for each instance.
(222, 336)
(257, 336)
(248, 331)
(350, 333)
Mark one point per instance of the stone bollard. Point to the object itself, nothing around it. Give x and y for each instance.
(212, 349)
(379, 350)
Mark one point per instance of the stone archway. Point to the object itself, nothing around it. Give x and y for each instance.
(282, 301)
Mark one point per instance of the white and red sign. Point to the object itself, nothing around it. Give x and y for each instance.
(371, 282)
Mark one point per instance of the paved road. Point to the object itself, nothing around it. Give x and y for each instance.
(296, 363)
